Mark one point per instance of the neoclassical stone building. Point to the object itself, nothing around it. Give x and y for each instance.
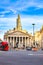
(18, 35)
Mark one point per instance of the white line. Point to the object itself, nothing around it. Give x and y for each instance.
(35, 54)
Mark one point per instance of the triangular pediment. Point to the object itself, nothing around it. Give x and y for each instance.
(18, 33)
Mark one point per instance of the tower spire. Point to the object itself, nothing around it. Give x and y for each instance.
(18, 24)
(41, 30)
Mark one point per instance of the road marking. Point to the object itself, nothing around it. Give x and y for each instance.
(35, 54)
(30, 54)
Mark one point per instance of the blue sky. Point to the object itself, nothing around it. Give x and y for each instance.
(31, 11)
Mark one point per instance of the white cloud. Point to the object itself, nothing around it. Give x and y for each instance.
(20, 5)
(7, 23)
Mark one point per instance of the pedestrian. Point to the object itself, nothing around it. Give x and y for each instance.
(17, 44)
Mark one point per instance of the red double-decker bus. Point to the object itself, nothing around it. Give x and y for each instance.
(4, 46)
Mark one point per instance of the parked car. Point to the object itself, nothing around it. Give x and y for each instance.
(41, 48)
(28, 48)
(34, 49)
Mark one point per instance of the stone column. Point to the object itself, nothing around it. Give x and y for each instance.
(16, 39)
(10, 40)
(29, 42)
(25, 42)
(7, 39)
(13, 41)
(19, 42)
(22, 40)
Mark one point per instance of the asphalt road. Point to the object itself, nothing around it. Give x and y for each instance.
(21, 57)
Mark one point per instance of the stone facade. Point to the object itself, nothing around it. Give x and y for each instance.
(39, 37)
(18, 36)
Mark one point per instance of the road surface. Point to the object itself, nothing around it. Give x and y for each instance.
(21, 57)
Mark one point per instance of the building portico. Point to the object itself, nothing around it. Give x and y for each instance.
(22, 41)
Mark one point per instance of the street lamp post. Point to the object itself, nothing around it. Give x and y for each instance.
(33, 28)
(33, 35)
